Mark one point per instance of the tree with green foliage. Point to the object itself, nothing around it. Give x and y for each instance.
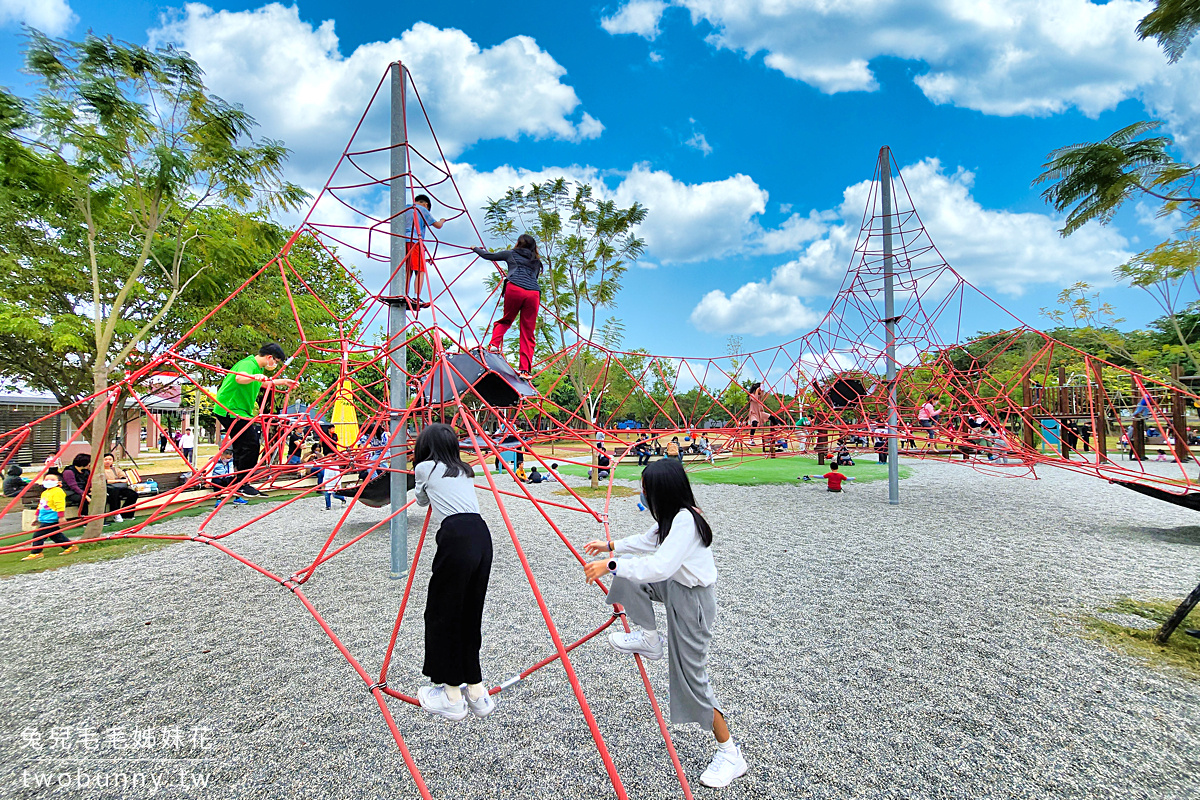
(586, 245)
(1093, 180)
(1173, 23)
(117, 154)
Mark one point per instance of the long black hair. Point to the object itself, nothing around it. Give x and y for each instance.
(667, 493)
(439, 443)
(527, 242)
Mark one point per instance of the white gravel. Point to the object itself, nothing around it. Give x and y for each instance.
(925, 651)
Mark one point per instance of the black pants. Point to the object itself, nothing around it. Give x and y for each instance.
(120, 497)
(48, 530)
(454, 609)
(243, 441)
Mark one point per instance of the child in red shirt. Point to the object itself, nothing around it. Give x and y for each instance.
(835, 478)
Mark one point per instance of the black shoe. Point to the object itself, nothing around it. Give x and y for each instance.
(1193, 632)
(249, 491)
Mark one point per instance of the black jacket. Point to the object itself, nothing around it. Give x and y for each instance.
(523, 266)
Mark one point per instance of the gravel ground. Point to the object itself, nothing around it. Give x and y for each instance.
(925, 651)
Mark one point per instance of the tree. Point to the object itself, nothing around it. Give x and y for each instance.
(1091, 181)
(1173, 23)
(586, 245)
(124, 147)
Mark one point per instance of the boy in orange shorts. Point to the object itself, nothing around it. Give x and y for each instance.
(419, 220)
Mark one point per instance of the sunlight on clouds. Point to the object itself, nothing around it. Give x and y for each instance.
(292, 76)
(54, 17)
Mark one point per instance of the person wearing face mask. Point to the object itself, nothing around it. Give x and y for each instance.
(51, 511)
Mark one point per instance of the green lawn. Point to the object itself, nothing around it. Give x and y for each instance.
(757, 471)
(1181, 651)
(11, 563)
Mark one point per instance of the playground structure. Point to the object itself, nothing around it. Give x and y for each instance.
(891, 338)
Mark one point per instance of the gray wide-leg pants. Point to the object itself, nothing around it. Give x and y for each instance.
(691, 612)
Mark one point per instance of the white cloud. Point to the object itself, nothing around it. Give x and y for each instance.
(755, 308)
(998, 56)
(693, 222)
(639, 17)
(54, 17)
(293, 78)
(699, 141)
(1004, 251)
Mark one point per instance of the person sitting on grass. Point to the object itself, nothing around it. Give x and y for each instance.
(51, 513)
(844, 459)
(834, 477)
(672, 563)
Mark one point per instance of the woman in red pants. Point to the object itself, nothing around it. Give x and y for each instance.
(522, 295)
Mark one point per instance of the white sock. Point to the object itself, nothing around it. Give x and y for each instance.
(475, 691)
(727, 746)
(453, 693)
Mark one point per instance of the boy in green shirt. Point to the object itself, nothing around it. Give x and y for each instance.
(237, 405)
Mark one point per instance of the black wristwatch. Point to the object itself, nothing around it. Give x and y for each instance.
(612, 565)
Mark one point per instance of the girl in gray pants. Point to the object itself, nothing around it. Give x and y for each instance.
(672, 564)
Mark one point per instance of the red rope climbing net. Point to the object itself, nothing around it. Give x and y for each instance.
(1009, 405)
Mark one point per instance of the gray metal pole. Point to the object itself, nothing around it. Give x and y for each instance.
(397, 320)
(889, 313)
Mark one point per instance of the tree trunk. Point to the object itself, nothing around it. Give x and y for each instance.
(99, 493)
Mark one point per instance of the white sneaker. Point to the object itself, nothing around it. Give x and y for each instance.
(481, 707)
(118, 518)
(645, 643)
(433, 699)
(724, 768)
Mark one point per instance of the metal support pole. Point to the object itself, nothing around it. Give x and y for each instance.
(889, 313)
(397, 321)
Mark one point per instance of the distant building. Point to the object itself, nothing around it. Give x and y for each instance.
(50, 431)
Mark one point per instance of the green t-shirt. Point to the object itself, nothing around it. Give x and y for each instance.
(240, 399)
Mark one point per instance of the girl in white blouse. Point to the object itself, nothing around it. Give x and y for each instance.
(672, 564)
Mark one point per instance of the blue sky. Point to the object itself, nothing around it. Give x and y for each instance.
(747, 127)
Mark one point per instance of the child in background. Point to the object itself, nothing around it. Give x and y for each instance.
(331, 478)
(519, 472)
(535, 476)
(672, 563)
(51, 512)
(834, 478)
(458, 585)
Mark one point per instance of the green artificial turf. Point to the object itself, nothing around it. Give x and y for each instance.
(755, 470)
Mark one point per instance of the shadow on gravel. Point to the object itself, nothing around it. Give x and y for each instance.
(1188, 534)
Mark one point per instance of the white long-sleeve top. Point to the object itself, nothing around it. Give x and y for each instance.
(682, 557)
(448, 495)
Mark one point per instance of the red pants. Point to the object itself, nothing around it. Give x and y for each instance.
(523, 302)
